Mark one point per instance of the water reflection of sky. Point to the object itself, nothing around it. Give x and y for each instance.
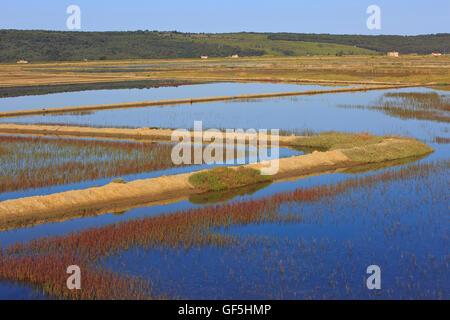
(315, 112)
(416, 208)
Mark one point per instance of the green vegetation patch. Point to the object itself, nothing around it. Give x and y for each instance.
(337, 140)
(422, 44)
(364, 147)
(389, 150)
(41, 45)
(224, 178)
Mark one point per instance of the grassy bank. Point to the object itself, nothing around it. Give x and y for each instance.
(390, 149)
(364, 147)
(336, 140)
(411, 105)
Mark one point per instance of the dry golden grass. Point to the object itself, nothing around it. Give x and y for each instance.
(404, 69)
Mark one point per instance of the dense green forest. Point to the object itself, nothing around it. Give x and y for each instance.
(39, 45)
(61, 46)
(421, 44)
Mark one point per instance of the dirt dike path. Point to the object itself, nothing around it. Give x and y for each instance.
(147, 134)
(141, 104)
(76, 203)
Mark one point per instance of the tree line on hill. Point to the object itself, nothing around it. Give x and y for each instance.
(421, 44)
(37, 45)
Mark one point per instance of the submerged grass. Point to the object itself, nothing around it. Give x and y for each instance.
(35, 162)
(222, 196)
(411, 105)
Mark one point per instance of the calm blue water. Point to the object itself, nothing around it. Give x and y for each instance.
(400, 225)
(79, 98)
(13, 291)
(25, 234)
(186, 64)
(317, 112)
(283, 153)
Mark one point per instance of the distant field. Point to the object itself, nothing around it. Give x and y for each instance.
(410, 69)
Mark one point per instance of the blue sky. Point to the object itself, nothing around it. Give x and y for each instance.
(406, 17)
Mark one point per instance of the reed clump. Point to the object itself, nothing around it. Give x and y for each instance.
(411, 105)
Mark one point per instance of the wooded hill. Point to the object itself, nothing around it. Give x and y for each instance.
(39, 45)
(421, 44)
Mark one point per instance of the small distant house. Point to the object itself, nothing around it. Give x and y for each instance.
(204, 57)
(392, 54)
(21, 61)
(436, 54)
(235, 56)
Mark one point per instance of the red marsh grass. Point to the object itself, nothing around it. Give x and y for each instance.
(42, 262)
(411, 105)
(47, 273)
(441, 140)
(34, 162)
